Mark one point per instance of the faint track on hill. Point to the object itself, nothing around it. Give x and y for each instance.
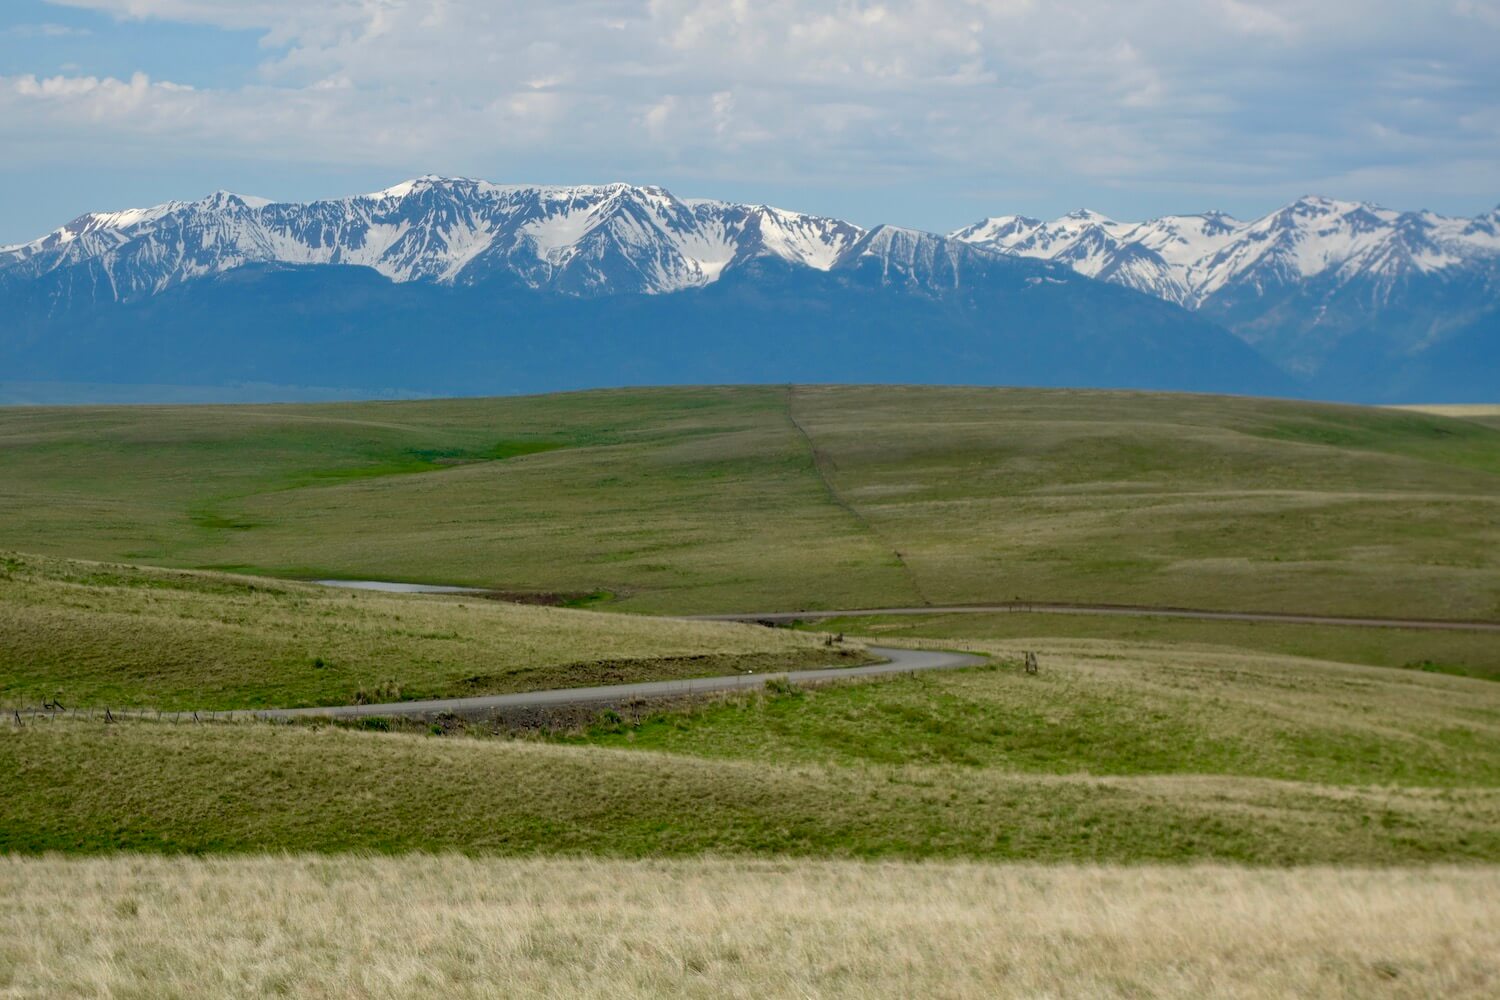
(824, 466)
(1122, 610)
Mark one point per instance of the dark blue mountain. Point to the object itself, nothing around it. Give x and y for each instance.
(873, 317)
(457, 286)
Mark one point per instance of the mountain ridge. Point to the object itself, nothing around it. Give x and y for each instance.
(1343, 297)
(583, 239)
(1298, 282)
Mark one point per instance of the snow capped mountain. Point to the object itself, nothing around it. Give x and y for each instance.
(1154, 257)
(1297, 282)
(1188, 258)
(893, 255)
(462, 286)
(1352, 241)
(585, 240)
(1355, 300)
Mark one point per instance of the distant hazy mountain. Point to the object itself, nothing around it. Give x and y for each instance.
(451, 285)
(1307, 285)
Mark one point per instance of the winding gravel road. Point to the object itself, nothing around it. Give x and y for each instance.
(896, 661)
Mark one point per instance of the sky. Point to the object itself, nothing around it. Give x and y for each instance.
(931, 113)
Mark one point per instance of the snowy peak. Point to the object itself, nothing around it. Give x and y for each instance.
(1297, 283)
(801, 239)
(1001, 230)
(911, 258)
(1190, 258)
(1089, 217)
(579, 240)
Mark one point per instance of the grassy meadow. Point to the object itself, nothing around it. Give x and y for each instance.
(1141, 740)
(87, 633)
(765, 498)
(1463, 653)
(1116, 709)
(1114, 753)
(1168, 808)
(133, 926)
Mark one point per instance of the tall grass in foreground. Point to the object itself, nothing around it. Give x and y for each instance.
(131, 926)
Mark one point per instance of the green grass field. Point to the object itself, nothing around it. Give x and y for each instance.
(1464, 653)
(695, 500)
(1115, 753)
(1109, 708)
(1112, 826)
(98, 634)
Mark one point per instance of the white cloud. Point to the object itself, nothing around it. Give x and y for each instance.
(1258, 19)
(1254, 93)
(45, 30)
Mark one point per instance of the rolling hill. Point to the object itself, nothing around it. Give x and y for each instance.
(1317, 806)
(780, 498)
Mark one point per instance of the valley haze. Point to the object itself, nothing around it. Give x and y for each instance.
(451, 286)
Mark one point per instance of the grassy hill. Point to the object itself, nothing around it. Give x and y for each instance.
(1114, 753)
(1125, 709)
(750, 498)
(1461, 652)
(101, 634)
(1145, 757)
(1142, 740)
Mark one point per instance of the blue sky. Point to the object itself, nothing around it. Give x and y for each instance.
(930, 113)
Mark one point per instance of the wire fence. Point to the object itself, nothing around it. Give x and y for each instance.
(39, 714)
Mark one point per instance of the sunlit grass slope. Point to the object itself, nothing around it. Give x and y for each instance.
(101, 634)
(457, 927)
(1113, 708)
(1462, 652)
(1112, 753)
(703, 499)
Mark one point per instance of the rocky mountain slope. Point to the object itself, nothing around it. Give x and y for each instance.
(1302, 284)
(588, 240)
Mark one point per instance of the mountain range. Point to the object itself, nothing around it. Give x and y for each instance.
(1305, 284)
(448, 285)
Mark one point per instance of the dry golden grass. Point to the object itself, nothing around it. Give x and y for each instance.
(1454, 409)
(130, 926)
